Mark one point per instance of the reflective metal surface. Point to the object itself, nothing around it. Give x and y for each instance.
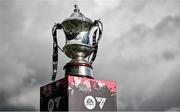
(77, 15)
(78, 46)
(79, 67)
(74, 51)
(76, 29)
(81, 38)
(79, 71)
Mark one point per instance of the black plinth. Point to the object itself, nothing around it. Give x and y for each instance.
(74, 93)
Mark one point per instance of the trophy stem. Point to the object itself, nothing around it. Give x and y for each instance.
(78, 58)
(79, 67)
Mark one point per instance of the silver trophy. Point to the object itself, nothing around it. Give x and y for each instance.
(78, 46)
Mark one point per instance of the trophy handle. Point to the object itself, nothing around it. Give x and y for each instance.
(99, 24)
(96, 39)
(55, 49)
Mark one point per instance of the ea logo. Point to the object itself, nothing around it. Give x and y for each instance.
(89, 102)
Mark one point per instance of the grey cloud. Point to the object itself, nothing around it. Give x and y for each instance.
(168, 27)
(176, 109)
(141, 37)
(170, 55)
(12, 21)
(6, 106)
(151, 46)
(14, 55)
(135, 6)
(167, 96)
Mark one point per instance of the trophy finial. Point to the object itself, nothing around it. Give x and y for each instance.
(76, 8)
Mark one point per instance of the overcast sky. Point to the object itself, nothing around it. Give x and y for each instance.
(140, 50)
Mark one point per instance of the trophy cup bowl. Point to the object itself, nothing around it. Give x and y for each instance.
(77, 29)
(77, 51)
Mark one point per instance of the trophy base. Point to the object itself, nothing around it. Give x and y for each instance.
(79, 68)
(74, 93)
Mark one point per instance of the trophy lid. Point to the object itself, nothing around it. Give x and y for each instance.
(77, 15)
(75, 24)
